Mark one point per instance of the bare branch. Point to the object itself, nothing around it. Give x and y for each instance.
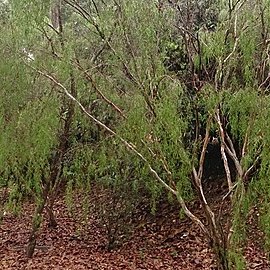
(229, 140)
(235, 41)
(223, 154)
(230, 150)
(252, 167)
(229, 192)
(205, 143)
(85, 14)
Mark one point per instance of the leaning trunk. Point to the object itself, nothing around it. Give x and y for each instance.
(37, 220)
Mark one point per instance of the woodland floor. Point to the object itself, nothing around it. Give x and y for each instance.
(157, 242)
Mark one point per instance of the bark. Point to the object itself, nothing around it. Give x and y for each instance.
(55, 14)
(37, 220)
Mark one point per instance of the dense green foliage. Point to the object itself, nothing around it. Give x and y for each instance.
(158, 78)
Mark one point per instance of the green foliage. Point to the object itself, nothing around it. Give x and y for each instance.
(33, 135)
(241, 107)
(241, 208)
(237, 261)
(122, 55)
(169, 130)
(264, 223)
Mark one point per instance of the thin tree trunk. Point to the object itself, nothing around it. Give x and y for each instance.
(37, 220)
(51, 217)
(62, 149)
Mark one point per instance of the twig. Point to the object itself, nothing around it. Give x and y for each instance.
(230, 191)
(249, 170)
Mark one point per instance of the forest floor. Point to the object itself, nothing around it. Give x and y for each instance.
(163, 241)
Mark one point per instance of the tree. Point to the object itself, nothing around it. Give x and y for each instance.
(159, 82)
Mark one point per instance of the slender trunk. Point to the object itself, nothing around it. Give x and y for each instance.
(54, 185)
(220, 250)
(49, 184)
(36, 223)
(37, 219)
(51, 218)
(51, 187)
(62, 149)
(218, 242)
(221, 257)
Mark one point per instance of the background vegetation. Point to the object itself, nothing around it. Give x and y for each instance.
(129, 97)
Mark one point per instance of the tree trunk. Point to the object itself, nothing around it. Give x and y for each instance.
(37, 220)
(51, 217)
(221, 255)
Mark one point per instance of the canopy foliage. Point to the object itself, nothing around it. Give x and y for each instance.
(166, 77)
